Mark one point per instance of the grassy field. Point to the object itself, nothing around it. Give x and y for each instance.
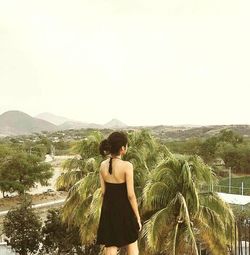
(236, 185)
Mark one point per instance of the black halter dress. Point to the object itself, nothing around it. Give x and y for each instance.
(118, 225)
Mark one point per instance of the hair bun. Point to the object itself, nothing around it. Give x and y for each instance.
(106, 143)
(104, 147)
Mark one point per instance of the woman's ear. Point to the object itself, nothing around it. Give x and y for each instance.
(123, 149)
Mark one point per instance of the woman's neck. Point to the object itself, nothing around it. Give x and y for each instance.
(116, 156)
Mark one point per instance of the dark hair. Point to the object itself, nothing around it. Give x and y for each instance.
(113, 143)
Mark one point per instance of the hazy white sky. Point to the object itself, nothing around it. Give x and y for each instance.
(145, 62)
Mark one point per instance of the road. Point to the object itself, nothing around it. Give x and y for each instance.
(42, 205)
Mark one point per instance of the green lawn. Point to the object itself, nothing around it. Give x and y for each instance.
(235, 185)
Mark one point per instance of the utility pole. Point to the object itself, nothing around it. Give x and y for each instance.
(242, 187)
(230, 180)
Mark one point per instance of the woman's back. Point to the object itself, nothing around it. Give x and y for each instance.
(118, 174)
(118, 225)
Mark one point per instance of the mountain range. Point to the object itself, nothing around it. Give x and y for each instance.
(18, 123)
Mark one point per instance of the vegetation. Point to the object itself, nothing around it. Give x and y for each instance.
(226, 145)
(22, 228)
(19, 171)
(39, 147)
(176, 214)
(26, 235)
(63, 239)
(236, 185)
(229, 143)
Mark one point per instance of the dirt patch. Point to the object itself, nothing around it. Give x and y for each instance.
(10, 202)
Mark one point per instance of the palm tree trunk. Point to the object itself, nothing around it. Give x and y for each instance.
(175, 236)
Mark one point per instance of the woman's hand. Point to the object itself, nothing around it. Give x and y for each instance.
(139, 223)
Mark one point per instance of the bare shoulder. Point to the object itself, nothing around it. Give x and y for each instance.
(103, 163)
(128, 165)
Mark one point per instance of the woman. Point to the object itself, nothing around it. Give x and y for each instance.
(119, 223)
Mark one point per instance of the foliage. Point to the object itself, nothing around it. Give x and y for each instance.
(226, 145)
(61, 238)
(189, 146)
(87, 162)
(20, 171)
(236, 157)
(180, 216)
(176, 214)
(236, 185)
(22, 227)
(208, 149)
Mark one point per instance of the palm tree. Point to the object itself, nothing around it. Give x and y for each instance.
(179, 215)
(78, 167)
(144, 153)
(176, 212)
(83, 203)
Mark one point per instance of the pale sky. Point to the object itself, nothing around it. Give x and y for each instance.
(145, 62)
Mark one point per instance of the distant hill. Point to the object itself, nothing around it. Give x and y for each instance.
(17, 123)
(78, 125)
(65, 123)
(52, 118)
(182, 133)
(115, 123)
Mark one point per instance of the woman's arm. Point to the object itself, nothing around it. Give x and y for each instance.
(130, 189)
(102, 181)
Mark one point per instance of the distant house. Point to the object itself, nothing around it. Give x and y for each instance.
(55, 139)
(219, 162)
(48, 158)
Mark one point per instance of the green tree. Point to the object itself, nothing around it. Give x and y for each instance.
(208, 149)
(179, 215)
(47, 143)
(63, 239)
(4, 151)
(23, 228)
(20, 171)
(36, 148)
(86, 162)
(62, 145)
(166, 186)
(84, 198)
(229, 136)
(189, 146)
(40, 150)
(236, 157)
